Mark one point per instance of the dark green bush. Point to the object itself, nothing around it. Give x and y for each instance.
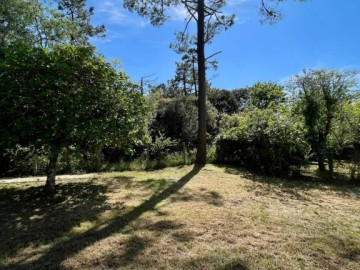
(177, 119)
(269, 141)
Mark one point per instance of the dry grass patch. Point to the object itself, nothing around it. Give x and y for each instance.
(181, 218)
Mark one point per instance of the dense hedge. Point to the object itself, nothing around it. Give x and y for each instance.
(270, 141)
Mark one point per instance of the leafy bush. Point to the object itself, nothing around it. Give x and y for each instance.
(161, 146)
(266, 140)
(177, 119)
(344, 139)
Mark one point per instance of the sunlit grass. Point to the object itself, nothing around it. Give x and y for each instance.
(178, 218)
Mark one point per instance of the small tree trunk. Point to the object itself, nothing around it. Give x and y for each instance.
(184, 154)
(201, 143)
(51, 173)
(320, 149)
(331, 163)
(194, 76)
(321, 163)
(147, 156)
(184, 82)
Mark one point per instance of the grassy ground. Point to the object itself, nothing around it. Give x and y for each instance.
(180, 218)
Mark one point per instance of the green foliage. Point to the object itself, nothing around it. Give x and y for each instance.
(26, 161)
(185, 81)
(161, 146)
(78, 26)
(172, 159)
(266, 136)
(319, 95)
(15, 18)
(177, 119)
(38, 23)
(265, 140)
(229, 121)
(345, 136)
(68, 97)
(265, 95)
(228, 102)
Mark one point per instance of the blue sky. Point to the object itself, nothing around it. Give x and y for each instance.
(314, 34)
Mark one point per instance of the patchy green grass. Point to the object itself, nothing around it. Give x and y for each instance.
(181, 218)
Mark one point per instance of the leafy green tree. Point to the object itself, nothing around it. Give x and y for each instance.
(186, 73)
(77, 17)
(265, 95)
(16, 19)
(184, 80)
(354, 124)
(344, 138)
(66, 97)
(228, 102)
(353, 110)
(319, 95)
(209, 21)
(39, 23)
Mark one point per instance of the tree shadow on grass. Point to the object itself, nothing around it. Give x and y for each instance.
(67, 247)
(203, 195)
(294, 186)
(144, 235)
(28, 218)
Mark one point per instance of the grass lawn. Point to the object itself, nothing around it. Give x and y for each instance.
(180, 218)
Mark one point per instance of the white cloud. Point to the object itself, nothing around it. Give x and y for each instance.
(241, 8)
(178, 13)
(112, 12)
(237, 2)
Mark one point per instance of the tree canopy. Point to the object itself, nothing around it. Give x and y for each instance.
(45, 23)
(320, 94)
(68, 96)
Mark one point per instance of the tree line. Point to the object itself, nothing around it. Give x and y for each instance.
(65, 108)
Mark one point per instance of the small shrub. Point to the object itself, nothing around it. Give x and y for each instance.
(161, 146)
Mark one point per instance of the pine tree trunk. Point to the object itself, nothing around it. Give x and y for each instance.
(201, 143)
(194, 77)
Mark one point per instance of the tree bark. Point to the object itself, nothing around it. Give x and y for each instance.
(184, 82)
(194, 76)
(321, 160)
(331, 164)
(51, 172)
(201, 143)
